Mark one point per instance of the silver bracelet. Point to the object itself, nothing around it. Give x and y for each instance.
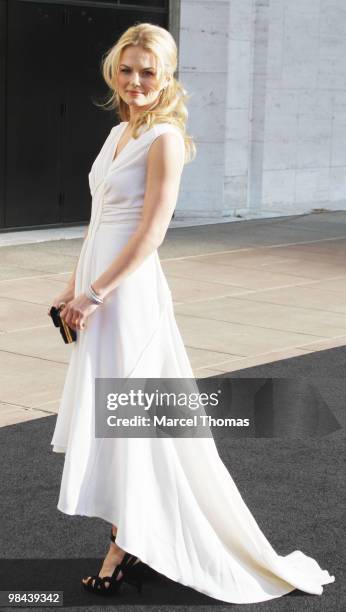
(97, 299)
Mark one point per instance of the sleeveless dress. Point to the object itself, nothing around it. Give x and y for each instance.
(196, 531)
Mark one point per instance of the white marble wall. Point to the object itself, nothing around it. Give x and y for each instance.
(268, 106)
(203, 69)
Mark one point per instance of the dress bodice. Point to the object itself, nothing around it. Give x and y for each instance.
(117, 185)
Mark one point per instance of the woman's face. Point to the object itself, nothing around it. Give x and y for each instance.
(137, 73)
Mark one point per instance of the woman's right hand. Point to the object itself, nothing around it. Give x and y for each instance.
(63, 298)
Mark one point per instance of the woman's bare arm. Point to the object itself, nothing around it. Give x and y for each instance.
(164, 168)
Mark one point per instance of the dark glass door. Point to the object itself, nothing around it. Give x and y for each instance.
(34, 90)
(54, 129)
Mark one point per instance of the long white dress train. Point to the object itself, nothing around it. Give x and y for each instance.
(196, 531)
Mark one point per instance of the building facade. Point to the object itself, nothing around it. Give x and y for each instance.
(267, 107)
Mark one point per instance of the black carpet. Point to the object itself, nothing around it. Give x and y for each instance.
(293, 484)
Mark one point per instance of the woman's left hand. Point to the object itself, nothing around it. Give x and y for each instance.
(76, 312)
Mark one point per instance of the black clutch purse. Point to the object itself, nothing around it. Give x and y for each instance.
(69, 335)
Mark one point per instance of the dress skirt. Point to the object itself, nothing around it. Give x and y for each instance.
(173, 501)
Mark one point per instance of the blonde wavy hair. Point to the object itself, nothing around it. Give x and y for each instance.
(170, 107)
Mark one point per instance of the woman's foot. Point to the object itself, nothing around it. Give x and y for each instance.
(114, 556)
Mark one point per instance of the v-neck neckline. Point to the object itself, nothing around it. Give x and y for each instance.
(114, 159)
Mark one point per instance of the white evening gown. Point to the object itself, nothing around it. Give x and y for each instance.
(174, 503)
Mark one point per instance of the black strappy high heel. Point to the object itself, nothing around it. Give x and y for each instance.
(135, 573)
(130, 574)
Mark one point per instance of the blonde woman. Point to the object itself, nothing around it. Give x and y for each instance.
(171, 502)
